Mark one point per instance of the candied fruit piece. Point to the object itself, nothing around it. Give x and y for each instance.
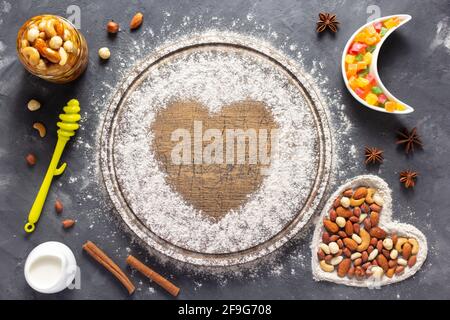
(400, 107)
(361, 65)
(382, 98)
(372, 99)
(371, 78)
(378, 25)
(360, 92)
(367, 58)
(351, 70)
(377, 90)
(359, 57)
(371, 48)
(392, 22)
(362, 82)
(349, 58)
(370, 30)
(353, 83)
(383, 31)
(357, 47)
(390, 106)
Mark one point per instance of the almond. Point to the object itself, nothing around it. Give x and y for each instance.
(343, 212)
(360, 193)
(347, 252)
(390, 272)
(380, 245)
(357, 262)
(356, 228)
(357, 211)
(334, 238)
(349, 228)
(136, 21)
(392, 263)
(367, 224)
(320, 255)
(68, 223)
(382, 262)
(406, 250)
(337, 202)
(375, 207)
(330, 226)
(364, 256)
(333, 215)
(58, 206)
(351, 272)
(31, 159)
(365, 208)
(399, 269)
(112, 27)
(326, 237)
(378, 233)
(353, 219)
(342, 234)
(348, 193)
(374, 218)
(350, 243)
(412, 261)
(344, 267)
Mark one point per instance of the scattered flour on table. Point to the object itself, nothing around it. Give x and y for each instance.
(442, 36)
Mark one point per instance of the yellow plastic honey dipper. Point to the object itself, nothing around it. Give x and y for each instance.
(67, 127)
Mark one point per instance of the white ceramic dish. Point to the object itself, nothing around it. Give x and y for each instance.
(374, 65)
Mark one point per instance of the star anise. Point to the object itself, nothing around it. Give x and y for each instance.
(410, 139)
(408, 178)
(373, 155)
(327, 20)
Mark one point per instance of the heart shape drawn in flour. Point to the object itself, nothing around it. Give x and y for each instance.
(379, 265)
(213, 188)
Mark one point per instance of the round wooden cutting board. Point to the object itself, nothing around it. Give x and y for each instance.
(216, 197)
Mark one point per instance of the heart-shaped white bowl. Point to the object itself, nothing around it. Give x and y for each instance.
(386, 223)
(374, 65)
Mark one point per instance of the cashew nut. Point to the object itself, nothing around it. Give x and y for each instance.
(356, 203)
(400, 243)
(365, 237)
(40, 128)
(32, 55)
(50, 28)
(326, 267)
(402, 262)
(415, 245)
(370, 193)
(63, 55)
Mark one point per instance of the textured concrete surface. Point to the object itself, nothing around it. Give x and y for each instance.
(414, 64)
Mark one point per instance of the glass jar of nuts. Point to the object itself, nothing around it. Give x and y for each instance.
(51, 48)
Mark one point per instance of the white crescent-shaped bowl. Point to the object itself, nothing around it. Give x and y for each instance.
(374, 65)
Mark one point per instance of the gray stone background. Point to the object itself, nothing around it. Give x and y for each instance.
(414, 64)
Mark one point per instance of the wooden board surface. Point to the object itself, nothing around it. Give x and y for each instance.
(223, 183)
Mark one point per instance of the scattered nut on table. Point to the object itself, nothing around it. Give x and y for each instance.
(39, 126)
(112, 27)
(31, 159)
(33, 105)
(104, 53)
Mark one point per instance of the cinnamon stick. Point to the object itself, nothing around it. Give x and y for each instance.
(99, 256)
(156, 277)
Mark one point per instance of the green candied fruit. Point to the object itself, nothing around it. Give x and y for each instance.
(377, 90)
(383, 31)
(359, 57)
(371, 49)
(363, 72)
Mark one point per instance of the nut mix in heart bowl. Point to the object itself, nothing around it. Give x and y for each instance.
(51, 48)
(353, 244)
